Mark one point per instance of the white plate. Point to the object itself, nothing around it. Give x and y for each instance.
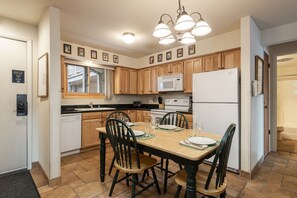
(130, 123)
(202, 140)
(138, 133)
(167, 127)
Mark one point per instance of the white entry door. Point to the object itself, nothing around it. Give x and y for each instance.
(13, 128)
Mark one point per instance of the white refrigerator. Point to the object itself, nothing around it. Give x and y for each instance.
(216, 104)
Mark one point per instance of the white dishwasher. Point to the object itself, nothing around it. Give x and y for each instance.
(70, 133)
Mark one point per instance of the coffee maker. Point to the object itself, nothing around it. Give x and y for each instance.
(191, 103)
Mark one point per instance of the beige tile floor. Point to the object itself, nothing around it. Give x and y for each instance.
(287, 145)
(277, 177)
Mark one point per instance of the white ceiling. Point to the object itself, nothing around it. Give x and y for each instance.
(100, 23)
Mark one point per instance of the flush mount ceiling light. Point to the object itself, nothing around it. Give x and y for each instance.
(183, 30)
(128, 37)
(284, 59)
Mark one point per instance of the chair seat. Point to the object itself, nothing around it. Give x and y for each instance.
(201, 178)
(146, 162)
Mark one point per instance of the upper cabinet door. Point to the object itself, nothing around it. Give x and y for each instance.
(133, 81)
(231, 59)
(140, 80)
(188, 72)
(177, 68)
(164, 70)
(147, 81)
(191, 66)
(197, 65)
(154, 80)
(121, 80)
(211, 62)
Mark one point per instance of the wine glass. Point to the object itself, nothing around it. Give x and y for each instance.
(153, 124)
(200, 126)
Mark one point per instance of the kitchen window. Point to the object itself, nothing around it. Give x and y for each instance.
(82, 81)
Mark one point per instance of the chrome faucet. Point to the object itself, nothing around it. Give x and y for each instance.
(91, 105)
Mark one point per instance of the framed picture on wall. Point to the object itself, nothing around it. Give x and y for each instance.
(115, 58)
(42, 81)
(179, 53)
(81, 51)
(67, 48)
(259, 68)
(151, 60)
(191, 49)
(93, 54)
(168, 55)
(160, 57)
(104, 56)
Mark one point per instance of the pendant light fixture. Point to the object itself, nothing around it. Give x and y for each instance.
(183, 30)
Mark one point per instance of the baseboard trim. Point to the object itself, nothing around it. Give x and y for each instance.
(250, 176)
(256, 167)
(51, 182)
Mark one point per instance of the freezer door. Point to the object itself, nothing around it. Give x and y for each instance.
(216, 118)
(216, 86)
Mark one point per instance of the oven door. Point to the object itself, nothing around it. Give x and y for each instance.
(157, 117)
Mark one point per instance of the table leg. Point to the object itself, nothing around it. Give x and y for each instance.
(191, 170)
(102, 156)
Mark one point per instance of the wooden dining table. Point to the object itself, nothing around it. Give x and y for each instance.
(165, 144)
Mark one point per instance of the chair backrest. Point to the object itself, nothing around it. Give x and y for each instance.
(222, 155)
(175, 118)
(123, 142)
(119, 115)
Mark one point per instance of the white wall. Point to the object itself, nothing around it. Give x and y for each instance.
(287, 102)
(252, 124)
(217, 43)
(49, 108)
(280, 34)
(23, 31)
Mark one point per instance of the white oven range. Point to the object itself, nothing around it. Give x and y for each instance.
(171, 105)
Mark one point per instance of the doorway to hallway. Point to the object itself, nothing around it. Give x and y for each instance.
(287, 103)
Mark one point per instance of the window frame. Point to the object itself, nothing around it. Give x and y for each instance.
(66, 94)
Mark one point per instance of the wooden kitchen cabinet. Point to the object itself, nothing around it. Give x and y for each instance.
(140, 81)
(139, 114)
(191, 66)
(89, 136)
(146, 116)
(150, 85)
(154, 80)
(190, 119)
(211, 62)
(133, 81)
(231, 59)
(104, 115)
(133, 115)
(171, 68)
(121, 80)
(125, 81)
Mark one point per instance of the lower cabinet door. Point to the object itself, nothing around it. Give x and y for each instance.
(90, 135)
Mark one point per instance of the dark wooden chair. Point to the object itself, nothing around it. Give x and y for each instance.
(127, 157)
(212, 184)
(179, 120)
(117, 114)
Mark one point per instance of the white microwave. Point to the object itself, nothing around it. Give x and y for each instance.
(171, 83)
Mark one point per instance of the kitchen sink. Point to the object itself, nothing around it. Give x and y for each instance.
(94, 109)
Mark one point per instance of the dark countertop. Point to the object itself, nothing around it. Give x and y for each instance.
(68, 109)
